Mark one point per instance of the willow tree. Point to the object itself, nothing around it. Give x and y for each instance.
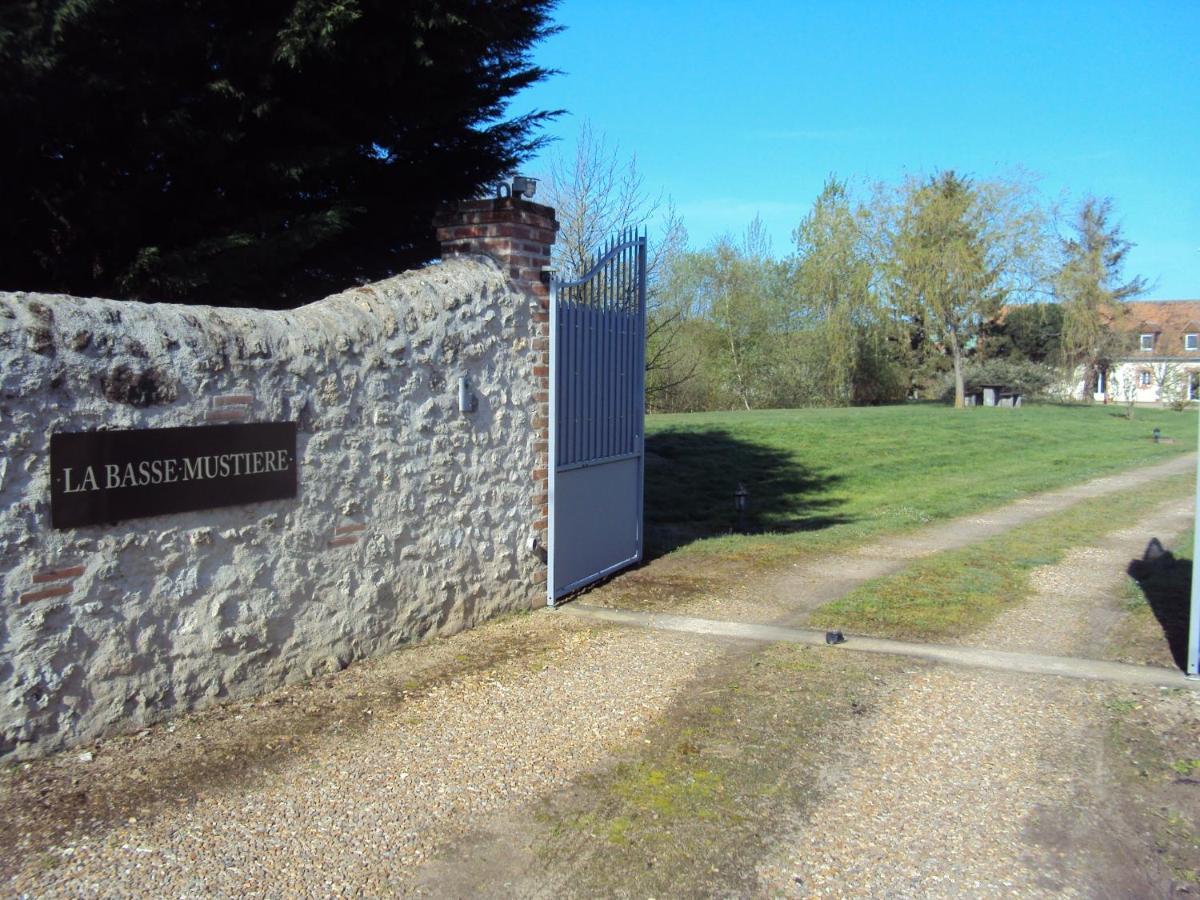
(957, 251)
(1089, 284)
(832, 281)
(735, 286)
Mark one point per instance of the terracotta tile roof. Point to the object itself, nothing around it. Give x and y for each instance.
(1169, 321)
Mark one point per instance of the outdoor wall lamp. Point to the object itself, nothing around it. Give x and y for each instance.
(467, 401)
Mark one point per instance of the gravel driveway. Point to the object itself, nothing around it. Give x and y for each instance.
(351, 784)
(354, 810)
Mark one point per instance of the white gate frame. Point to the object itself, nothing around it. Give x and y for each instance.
(1193, 651)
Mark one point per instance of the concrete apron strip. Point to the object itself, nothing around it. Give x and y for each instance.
(973, 657)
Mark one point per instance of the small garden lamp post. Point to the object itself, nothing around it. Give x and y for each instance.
(741, 501)
(1157, 434)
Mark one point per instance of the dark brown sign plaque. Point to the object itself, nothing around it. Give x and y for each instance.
(98, 477)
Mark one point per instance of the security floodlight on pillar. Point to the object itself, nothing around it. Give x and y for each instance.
(522, 187)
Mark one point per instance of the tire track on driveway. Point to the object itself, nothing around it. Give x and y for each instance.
(952, 779)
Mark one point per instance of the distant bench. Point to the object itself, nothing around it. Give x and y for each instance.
(993, 395)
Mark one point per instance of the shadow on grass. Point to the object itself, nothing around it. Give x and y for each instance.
(691, 477)
(1166, 583)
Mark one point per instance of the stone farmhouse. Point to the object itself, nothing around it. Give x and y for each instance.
(1160, 359)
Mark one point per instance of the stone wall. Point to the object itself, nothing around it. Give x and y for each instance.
(412, 517)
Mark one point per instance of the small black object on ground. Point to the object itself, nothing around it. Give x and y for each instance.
(834, 637)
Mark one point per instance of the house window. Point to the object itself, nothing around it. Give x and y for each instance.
(1147, 342)
(1194, 385)
(1191, 342)
(1144, 378)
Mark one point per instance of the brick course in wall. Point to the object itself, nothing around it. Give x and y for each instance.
(519, 236)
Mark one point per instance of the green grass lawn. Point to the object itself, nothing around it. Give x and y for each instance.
(823, 478)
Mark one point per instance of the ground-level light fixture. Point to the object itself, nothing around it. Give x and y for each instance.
(1157, 434)
(741, 502)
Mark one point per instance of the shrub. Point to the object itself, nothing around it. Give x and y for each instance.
(1027, 378)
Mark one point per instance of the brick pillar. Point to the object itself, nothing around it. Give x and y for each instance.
(518, 235)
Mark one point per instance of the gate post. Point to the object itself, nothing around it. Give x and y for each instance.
(519, 235)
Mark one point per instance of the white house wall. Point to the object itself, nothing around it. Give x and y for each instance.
(1125, 376)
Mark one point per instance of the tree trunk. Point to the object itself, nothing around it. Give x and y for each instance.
(960, 393)
(743, 393)
(1089, 382)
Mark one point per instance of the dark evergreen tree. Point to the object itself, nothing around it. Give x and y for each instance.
(1032, 332)
(1092, 289)
(259, 152)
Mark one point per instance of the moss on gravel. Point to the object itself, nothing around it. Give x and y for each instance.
(1150, 745)
(717, 777)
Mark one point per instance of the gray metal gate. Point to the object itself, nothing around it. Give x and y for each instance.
(597, 388)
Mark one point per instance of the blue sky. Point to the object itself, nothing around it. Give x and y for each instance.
(742, 108)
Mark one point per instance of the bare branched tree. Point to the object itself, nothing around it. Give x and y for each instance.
(665, 310)
(596, 193)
